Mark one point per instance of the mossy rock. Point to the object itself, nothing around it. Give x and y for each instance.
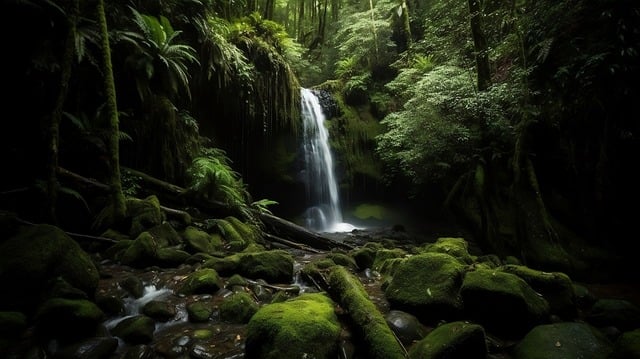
(343, 260)
(456, 247)
(627, 346)
(561, 341)
(37, 255)
(197, 240)
(618, 313)
(364, 256)
(451, 341)
(427, 285)
(238, 308)
(166, 235)
(81, 319)
(142, 252)
(389, 266)
(273, 266)
(138, 329)
(234, 240)
(199, 312)
(144, 214)
(502, 302)
(305, 326)
(172, 257)
(202, 281)
(159, 310)
(555, 287)
(384, 254)
(94, 348)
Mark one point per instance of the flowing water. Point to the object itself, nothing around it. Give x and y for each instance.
(323, 212)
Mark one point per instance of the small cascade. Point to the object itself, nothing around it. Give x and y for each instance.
(323, 213)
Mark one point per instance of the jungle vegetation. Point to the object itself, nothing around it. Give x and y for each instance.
(518, 117)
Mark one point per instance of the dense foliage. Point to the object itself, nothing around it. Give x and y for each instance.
(518, 116)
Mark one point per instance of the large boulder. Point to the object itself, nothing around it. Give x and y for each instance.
(561, 341)
(427, 285)
(37, 258)
(451, 341)
(302, 327)
(502, 302)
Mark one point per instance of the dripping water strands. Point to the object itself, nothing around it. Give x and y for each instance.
(323, 213)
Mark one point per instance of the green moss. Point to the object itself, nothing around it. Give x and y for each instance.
(238, 308)
(144, 213)
(627, 345)
(367, 210)
(233, 238)
(80, 316)
(305, 326)
(135, 330)
(236, 280)
(35, 256)
(427, 285)
(202, 334)
(142, 252)
(199, 312)
(197, 240)
(372, 327)
(364, 256)
(171, 257)
(456, 247)
(205, 280)
(452, 340)
(343, 260)
(272, 266)
(555, 287)
(385, 254)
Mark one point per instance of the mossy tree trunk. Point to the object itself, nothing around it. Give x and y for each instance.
(117, 196)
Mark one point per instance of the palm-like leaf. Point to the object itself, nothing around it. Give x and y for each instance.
(161, 56)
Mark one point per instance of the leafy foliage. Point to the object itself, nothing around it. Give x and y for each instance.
(212, 177)
(159, 57)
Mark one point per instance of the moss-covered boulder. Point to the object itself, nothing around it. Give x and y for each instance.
(197, 240)
(456, 247)
(627, 346)
(502, 302)
(144, 214)
(142, 252)
(305, 326)
(135, 330)
(199, 312)
(406, 326)
(364, 256)
(37, 256)
(166, 235)
(427, 285)
(202, 281)
(68, 319)
(618, 313)
(172, 257)
(272, 266)
(451, 341)
(556, 287)
(561, 341)
(343, 260)
(236, 234)
(238, 308)
(159, 310)
(386, 254)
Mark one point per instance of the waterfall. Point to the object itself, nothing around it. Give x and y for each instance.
(324, 212)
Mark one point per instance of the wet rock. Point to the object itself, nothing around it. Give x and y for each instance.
(406, 326)
(199, 312)
(68, 319)
(205, 280)
(238, 308)
(561, 341)
(197, 240)
(133, 285)
(140, 351)
(502, 302)
(627, 346)
(92, 348)
(159, 310)
(135, 330)
(614, 312)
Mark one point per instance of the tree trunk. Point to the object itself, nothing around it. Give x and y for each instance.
(480, 45)
(117, 196)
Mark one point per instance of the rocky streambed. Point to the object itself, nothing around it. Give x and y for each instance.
(221, 291)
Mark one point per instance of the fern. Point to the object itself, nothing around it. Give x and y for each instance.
(212, 177)
(262, 205)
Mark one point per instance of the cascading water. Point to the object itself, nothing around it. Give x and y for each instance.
(324, 212)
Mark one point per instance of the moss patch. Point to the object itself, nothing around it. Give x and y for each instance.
(452, 340)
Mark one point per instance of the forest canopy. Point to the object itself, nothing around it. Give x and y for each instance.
(516, 116)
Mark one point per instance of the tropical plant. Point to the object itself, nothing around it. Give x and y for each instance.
(212, 177)
(160, 62)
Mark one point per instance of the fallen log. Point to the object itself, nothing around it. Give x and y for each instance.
(280, 229)
(296, 233)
